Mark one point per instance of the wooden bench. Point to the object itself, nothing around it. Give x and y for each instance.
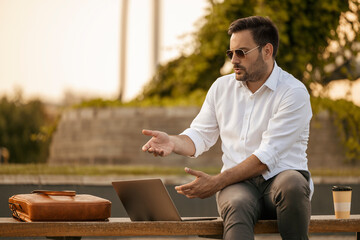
(10, 227)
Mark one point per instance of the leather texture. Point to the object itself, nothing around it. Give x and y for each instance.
(43, 205)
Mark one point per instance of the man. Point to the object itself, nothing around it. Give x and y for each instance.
(262, 115)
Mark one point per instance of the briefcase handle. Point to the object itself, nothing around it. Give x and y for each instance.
(56, 193)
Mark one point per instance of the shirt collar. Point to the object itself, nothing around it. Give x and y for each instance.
(271, 82)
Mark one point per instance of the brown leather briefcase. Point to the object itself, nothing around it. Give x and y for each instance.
(43, 205)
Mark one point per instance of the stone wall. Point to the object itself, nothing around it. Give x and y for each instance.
(113, 136)
(325, 149)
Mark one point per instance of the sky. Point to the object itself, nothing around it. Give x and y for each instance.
(49, 47)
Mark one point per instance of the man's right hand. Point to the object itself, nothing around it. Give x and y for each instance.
(160, 144)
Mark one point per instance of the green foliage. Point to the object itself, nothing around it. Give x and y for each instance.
(180, 77)
(24, 130)
(345, 52)
(195, 98)
(346, 117)
(305, 27)
(99, 103)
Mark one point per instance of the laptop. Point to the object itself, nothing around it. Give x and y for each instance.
(148, 200)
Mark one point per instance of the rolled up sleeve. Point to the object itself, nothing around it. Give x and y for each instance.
(285, 127)
(197, 140)
(204, 129)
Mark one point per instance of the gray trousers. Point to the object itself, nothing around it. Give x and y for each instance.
(284, 197)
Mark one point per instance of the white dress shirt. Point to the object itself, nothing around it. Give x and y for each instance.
(272, 123)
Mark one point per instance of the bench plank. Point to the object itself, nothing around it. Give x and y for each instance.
(10, 227)
(331, 224)
(318, 224)
(113, 227)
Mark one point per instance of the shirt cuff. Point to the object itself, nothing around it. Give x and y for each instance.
(197, 140)
(267, 156)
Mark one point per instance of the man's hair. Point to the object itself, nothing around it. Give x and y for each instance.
(263, 30)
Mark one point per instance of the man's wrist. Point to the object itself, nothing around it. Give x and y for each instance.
(228, 177)
(220, 181)
(172, 140)
(182, 145)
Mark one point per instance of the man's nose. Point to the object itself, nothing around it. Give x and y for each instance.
(235, 59)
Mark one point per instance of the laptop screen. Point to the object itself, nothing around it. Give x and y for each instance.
(146, 200)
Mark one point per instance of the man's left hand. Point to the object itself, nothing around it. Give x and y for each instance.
(203, 186)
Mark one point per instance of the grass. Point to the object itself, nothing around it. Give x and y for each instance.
(119, 170)
(94, 170)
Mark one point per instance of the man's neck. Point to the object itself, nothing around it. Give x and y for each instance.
(254, 86)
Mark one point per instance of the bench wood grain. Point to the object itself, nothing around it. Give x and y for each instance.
(10, 227)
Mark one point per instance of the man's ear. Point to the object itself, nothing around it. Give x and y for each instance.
(268, 50)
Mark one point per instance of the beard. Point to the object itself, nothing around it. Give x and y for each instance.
(257, 72)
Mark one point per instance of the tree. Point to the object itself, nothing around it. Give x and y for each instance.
(306, 28)
(342, 53)
(22, 129)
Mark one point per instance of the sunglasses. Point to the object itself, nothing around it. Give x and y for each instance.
(239, 53)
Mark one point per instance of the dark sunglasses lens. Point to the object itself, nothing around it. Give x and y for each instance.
(239, 53)
(229, 54)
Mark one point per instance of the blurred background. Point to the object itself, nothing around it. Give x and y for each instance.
(58, 53)
(58, 56)
(79, 79)
(51, 49)
(55, 54)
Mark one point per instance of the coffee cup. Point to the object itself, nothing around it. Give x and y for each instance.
(342, 201)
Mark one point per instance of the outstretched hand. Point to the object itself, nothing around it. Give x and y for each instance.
(203, 186)
(160, 144)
